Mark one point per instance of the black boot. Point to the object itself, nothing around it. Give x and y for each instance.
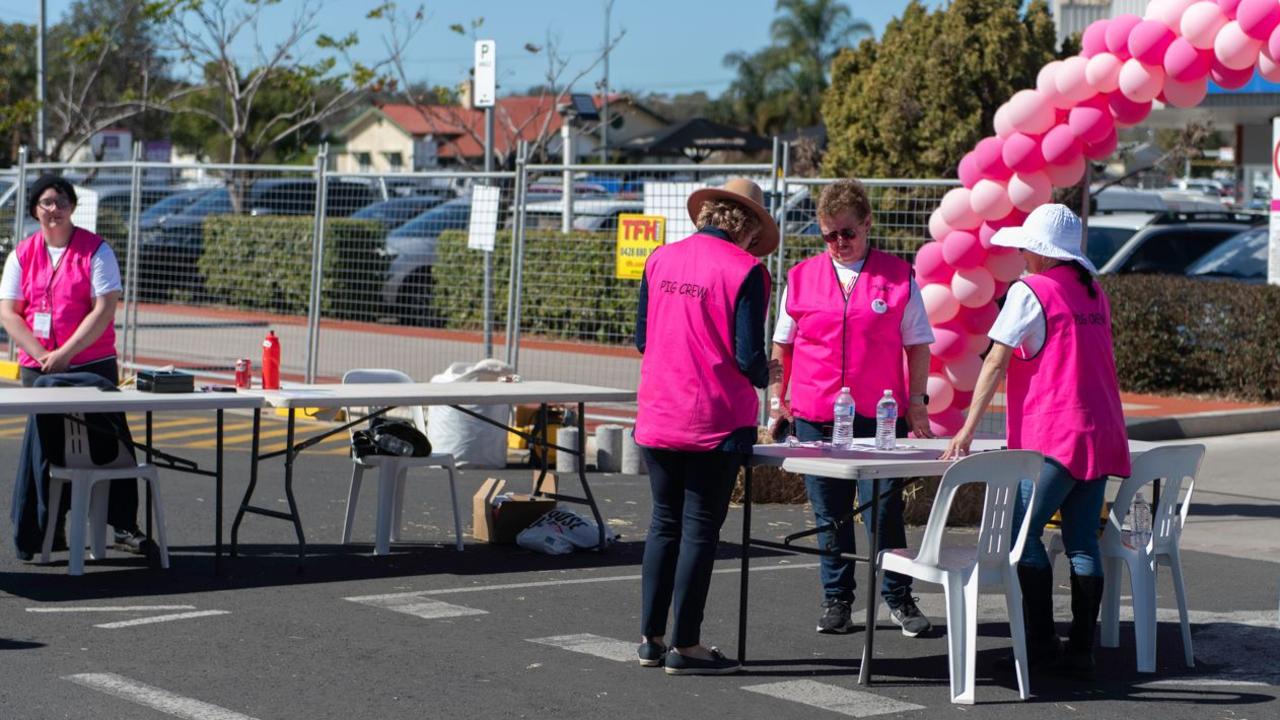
(1086, 599)
(1043, 645)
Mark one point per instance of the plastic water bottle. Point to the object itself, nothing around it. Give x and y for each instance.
(842, 427)
(394, 445)
(1140, 521)
(887, 422)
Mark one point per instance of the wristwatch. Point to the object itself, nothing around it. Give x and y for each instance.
(923, 399)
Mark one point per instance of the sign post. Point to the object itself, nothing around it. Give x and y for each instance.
(1273, 254)
(484, 91)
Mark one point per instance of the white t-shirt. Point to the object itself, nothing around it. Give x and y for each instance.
(915, 323)
(105, 272)
(1021, 323)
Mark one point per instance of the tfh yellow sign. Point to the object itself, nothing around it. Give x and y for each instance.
(638, 236)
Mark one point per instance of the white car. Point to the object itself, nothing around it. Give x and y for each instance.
(1160, 243)
(594, 215)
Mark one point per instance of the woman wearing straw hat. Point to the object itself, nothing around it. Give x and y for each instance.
(1053, 341)
(700, 326)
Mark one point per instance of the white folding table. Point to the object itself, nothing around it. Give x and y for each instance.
(915, 458)
(380, 398)
(64, 400)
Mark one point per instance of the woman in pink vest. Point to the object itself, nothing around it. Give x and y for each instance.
(58, 296)
(850, 317)
(1053, 341)
(700, 325)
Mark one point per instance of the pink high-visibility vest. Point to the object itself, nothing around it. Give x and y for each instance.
(854, 341)
(1065, 400)
(692, 394)
(66, 291)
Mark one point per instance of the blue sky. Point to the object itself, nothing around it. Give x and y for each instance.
(670, 46)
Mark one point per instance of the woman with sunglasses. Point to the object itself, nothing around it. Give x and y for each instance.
(850, 316)
(58, 296)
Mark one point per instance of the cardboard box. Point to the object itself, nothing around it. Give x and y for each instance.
(501, 524)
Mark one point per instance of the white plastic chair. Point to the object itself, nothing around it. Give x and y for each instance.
(1176, 465)
(393, 471)
(963, 571)
(90, 486)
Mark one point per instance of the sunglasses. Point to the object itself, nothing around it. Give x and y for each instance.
(60, 203)
(847, 233)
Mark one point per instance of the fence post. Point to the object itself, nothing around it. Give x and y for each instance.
(517, 258)
(19, 202)
(566, 145)
(517, 216)
(133, 246)
(782, 232)
(488, 254)
(317, 264)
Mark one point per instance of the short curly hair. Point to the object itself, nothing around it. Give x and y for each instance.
(729, 216)
(845, 196)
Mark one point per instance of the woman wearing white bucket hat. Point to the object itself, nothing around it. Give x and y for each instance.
(1053, 340)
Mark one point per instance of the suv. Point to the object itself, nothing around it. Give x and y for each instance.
(1241, 257)
(1160, 243)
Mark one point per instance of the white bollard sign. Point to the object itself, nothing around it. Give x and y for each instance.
(1273, 256)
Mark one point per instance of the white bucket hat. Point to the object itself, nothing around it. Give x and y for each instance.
(1050, 230)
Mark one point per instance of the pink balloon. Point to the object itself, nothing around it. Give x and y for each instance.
(938, 227)
(1272, 48)
(1229, 8)
(947, 343)
(1102, 149)
(1118, 34)
(1148, 41)
(1046, 84)
(1007, 265)
(1103, 72)
(1201, 23)
(1091, 123)
(978, 321)
(946, 423)
(960, 398)
(1268, 68)
(1029, 191)
(1022, 154)
(968, 171)
(1185, 62)
(973, 286)
(1065, 175)
(1187, 94)
(1234, 49)
(940, 393)
(978, 344)
(1169, 12)
(1060, 146)
(962, 373)
(986, 155)
(939, 304)
(1258, 18)
(1030, 112)
(1127, 112)
(1071, 81)
(931, 266)
(1094, 40)
(956, 210)
(1229, 78)
(1000, 122)
(1140, 82)
(990, 200)
(962, 249)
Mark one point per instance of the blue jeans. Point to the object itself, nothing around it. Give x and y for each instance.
(833, 499)
(690, 500)
(1080, 503)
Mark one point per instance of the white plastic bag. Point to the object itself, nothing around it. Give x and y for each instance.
(472, 442)
(560, 531)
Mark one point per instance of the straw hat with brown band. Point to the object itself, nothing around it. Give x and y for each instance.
(749, 195)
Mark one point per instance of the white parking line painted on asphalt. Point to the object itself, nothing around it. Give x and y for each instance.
(161, 618)
(1201, 682)
(110, 608)
(417, 606)
(154, 697)
(854, 703)
(589, 644)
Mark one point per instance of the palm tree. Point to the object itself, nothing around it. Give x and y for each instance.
(813, 31)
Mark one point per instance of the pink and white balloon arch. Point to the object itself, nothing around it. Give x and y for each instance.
(1042, 139)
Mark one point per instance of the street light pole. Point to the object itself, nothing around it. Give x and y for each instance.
(40, 81)
(604, 90)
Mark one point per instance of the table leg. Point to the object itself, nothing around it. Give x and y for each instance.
(217, 512)
(545, 452)
(289, 455)
(582, 472)
(746, 561)
(873, 589)
(253, 480)
(148, 454)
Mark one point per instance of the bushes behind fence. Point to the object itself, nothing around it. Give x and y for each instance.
(1177, 335)
(264, 263)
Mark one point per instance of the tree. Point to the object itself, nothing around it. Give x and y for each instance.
(912, 104)
(17, 89)
(781, 86)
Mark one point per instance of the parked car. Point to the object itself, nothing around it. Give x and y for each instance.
(411, 250)
(172, 205)
(398, 210)
(1160, 243)
(594, 215)
(1241, 257)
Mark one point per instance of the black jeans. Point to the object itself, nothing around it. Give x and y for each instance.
(122, 497)
(690, 500)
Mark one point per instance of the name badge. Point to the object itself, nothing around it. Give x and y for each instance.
(879, 306)
(42, 325)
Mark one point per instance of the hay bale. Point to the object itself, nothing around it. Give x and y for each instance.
(770, 484)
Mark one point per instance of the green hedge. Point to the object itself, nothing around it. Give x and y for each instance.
(264, 263)
(1178, 335)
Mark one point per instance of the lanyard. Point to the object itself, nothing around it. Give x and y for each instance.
(48, 285)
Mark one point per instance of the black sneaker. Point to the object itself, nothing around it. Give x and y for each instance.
(837, 617)
(908, 617)
(651, 653)
(677, 664)
(131, 541)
